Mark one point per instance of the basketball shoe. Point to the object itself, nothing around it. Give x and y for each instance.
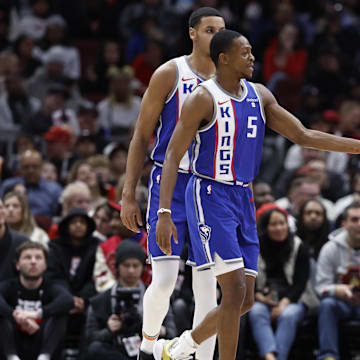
(181, 348)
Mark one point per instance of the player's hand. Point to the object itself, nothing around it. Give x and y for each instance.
(130, 214)
(164, 229)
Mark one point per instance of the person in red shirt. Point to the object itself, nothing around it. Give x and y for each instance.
(284, 54)
(105, 275)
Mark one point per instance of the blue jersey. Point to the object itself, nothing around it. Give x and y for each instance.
(186, 82)
(229, 148)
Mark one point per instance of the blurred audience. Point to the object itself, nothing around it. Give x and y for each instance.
(20, 219)
(280, 283)
(43, 195)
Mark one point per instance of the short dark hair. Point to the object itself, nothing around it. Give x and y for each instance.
(30, 245)
(221, 42)
(354, 205)
(198, 14)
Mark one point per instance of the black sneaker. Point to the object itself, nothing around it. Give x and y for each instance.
(144, 356)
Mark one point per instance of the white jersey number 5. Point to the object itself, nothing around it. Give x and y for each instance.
(252, 127)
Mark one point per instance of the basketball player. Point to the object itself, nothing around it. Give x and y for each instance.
(226, 115)
(162, 102)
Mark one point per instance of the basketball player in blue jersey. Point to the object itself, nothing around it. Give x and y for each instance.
(226, 117)
(161, 106)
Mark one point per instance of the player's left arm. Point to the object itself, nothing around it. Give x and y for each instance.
(287, 125)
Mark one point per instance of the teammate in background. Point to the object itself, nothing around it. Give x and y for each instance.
(169, 86)
(226, 115)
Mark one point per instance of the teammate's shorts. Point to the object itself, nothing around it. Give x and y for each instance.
(221, 221)
(178, 215)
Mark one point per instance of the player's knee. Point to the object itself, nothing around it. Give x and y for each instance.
(248, 303)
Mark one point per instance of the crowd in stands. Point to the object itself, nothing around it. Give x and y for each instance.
(72, 276)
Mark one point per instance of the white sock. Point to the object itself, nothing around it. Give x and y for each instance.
(157, 299)
(204, 289)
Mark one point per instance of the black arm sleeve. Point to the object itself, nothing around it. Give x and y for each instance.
(301, 275)
(5, 309)
(62, 301)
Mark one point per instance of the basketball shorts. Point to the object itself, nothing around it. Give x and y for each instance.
(221, 221)
(178, 215)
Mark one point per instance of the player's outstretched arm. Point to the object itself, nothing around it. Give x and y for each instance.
(152, 104)
(286, 124)
(197, 108)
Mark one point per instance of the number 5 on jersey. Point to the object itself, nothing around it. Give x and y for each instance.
(252, 127)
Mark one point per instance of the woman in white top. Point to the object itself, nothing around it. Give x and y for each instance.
(20, 219)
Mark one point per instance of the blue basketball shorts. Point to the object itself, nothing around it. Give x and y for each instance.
(221, 221)
(178, 215)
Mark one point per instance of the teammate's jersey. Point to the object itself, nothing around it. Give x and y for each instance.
(186, 82)
(229, 148)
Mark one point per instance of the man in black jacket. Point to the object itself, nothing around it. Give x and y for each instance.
(9, 241)
(113, 325)
(32, 310)
(71, 263)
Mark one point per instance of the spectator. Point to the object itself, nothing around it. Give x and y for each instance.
(34, 24)
(43, 195)
(71, 263)
(119, 111)
(105, 270)
(313, 226)
(56, 37)
(32, 309)
(110, 325)
(49, 171)
(109, 59)
(54, 100)
(23, 48)
(280, 283)
(89, 124)
(303, 189)
(338, 282)
(100, 164)
(146, 63)
(82, 171)
(285, 55)
(20, 219)
(57, 149)
(263, 194)
(102, 217)
(117, 154)
(347, 200)
(75, 196)
(16, 107)
(53, 72)
(9, 241)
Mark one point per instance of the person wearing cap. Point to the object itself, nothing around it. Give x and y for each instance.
(43, 195)
(71, 263)
(104, 269)
(109, 335)
(58, 144)
(280, 284)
